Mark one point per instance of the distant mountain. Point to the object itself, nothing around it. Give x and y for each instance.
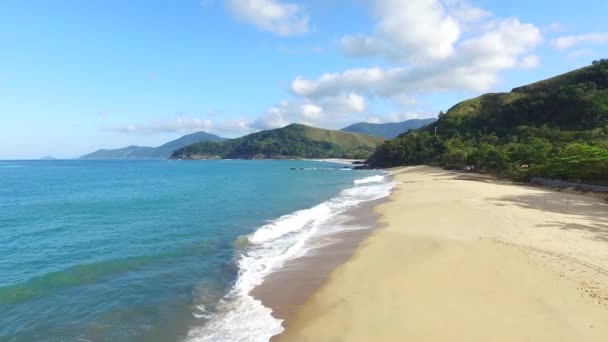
(387, 130)
(293, 141)
(161, 152)
(129, 152)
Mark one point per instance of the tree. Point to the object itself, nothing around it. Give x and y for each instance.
(455, 153)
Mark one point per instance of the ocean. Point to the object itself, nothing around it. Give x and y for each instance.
(158, 250)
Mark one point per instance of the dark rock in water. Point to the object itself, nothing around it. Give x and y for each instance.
(293, 168)
(363, 167)
(358, 162)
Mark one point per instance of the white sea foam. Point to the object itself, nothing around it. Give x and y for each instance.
(371, 179)
(240, 317)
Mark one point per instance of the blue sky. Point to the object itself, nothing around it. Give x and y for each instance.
(76, 76)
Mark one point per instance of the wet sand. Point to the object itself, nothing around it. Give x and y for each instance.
(285, 290)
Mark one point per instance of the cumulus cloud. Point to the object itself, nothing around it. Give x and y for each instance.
(407, 30)
(529, 61)
(566, 42)
(278, 17)
(429, 46)
(344, 104)
(285, 113)
(329, 111)
(475, 67)
(233, 128)
(424, 42)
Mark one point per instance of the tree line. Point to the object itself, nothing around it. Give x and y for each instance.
(556, 129)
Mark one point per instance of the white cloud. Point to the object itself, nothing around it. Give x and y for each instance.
(329, 111)
(286, 113)
(566, 42)
(233, 128)
(429, 46)
(278, 17)
(422, 37)
(407, 30)
(344, 104)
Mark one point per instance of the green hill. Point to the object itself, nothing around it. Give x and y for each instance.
(387, 130)
(555, 128)
(161, 152)
(293, 141)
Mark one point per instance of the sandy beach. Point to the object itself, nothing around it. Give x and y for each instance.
(463, 258)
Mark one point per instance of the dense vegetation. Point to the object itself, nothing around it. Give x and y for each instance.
(557, 128)
(161, 152)
(388, 130)
(293, 141)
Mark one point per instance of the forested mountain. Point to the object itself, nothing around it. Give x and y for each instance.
(293, 141)
(161, 152)
(387, 130)
(556, 128)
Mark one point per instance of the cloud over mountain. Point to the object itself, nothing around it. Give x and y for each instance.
(429, 46)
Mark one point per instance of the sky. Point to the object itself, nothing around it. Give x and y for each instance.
(76, 76)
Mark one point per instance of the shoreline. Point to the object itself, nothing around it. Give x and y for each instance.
(286, 247)
(285, 290)
(467, 260)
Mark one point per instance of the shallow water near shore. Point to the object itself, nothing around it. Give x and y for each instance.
(157, 250)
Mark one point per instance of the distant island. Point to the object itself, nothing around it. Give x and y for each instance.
(162, 152)
(556, 128)
(293, 141)
(48, 158)
(388, 130)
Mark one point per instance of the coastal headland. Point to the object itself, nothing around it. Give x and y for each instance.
(464, 258)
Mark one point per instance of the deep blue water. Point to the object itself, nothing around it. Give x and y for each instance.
(137, 250)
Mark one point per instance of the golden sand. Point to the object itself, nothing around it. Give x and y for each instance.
(468, 260)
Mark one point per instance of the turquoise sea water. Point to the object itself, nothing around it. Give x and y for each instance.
(156, 250)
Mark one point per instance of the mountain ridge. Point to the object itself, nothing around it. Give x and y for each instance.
(387, 130)
(163, 151)
(292, 141)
